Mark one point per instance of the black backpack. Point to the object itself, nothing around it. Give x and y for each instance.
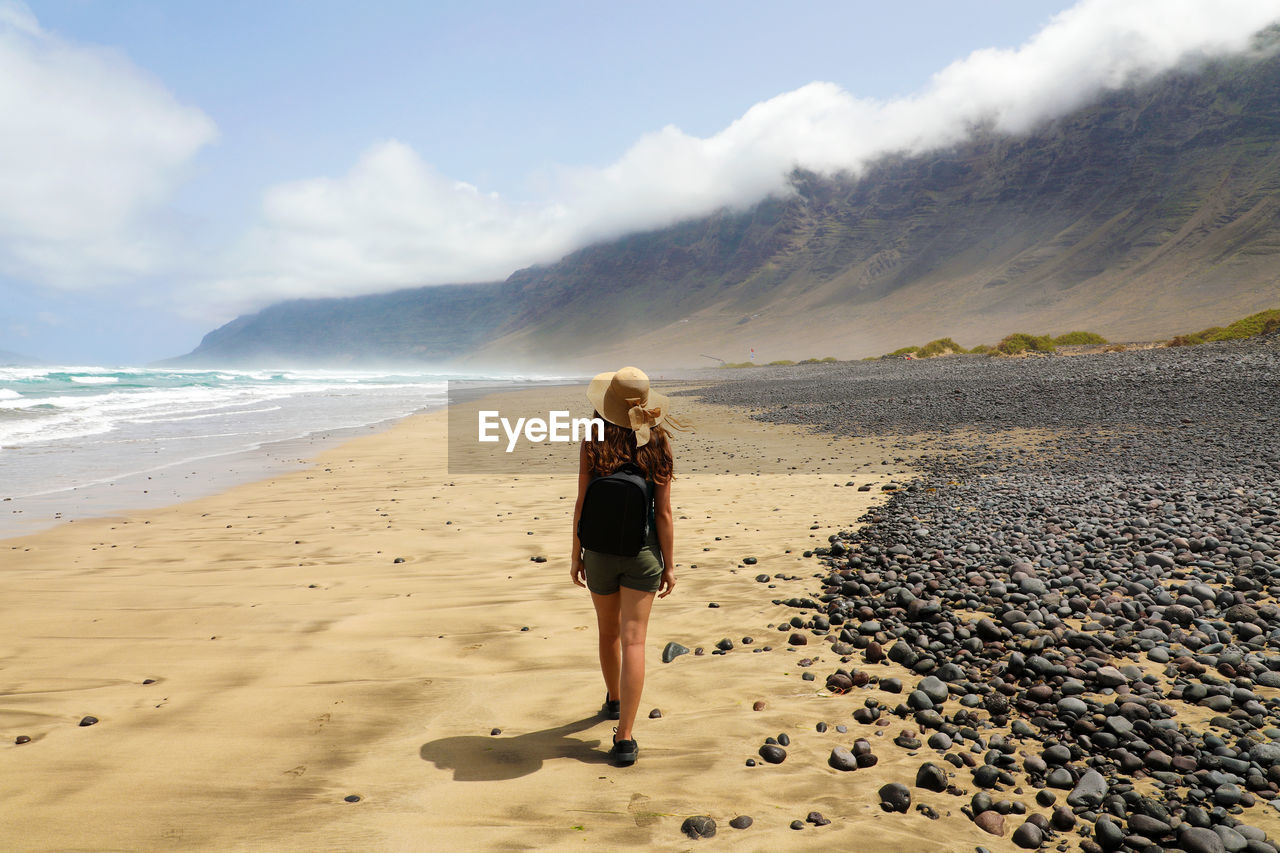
(615, 513)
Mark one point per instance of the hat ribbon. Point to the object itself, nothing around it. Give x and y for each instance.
(641, 419)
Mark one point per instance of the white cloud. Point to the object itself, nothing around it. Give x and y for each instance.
(90, 148)
(392, 221)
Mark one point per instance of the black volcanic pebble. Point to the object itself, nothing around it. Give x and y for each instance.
(495, 732)
(672, 651)
(817, 819)
(1028, 836)
(907, 739)
(655, 714)
(797, 824)
(773, 754)
(986, 776)
(895, 797)
(699, 826)
(931, 777)
(88, 721)
(741, 822)
(1195, 839)
(21, 739)
(842, 759)
(351, 798)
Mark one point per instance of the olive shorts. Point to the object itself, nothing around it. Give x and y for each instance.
(607, 572)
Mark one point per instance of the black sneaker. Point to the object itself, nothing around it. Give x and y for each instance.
(611, 709)
(624, 752)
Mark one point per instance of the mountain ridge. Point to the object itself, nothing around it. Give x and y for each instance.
(1153, 209)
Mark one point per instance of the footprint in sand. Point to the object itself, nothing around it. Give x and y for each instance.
(641, 811)
(296, 771)
(321, 721)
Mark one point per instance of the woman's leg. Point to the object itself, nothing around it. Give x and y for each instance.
(607, 621)
(634, 625)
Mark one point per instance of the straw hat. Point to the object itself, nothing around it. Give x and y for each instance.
(623, 398)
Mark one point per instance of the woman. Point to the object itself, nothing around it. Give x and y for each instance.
(623, 588)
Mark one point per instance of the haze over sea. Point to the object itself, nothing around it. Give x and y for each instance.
(80, 441)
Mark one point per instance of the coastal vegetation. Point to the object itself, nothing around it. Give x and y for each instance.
(941, 346)
(782, 362)
(1021, 342)
(1076, 339)
(1015, 344)
(1262, 323)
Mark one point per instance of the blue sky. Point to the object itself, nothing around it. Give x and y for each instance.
(213, 158)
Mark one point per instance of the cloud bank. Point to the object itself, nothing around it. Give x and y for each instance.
(91, 148)
(392, 221)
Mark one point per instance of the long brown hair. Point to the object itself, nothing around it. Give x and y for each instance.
(619, 447)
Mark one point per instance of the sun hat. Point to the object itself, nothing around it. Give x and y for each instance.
(623, 398)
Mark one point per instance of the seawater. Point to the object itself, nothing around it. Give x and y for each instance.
(78, 440)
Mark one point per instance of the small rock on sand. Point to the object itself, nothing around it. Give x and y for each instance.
(655, 714)
(991, 822)
(88, 721)
(699, 826)
(21, 739)
(351, 798)
(842, 759)
(931, 777)
(773, 754)
(758, 705)
(672, 651)
(1028, 836)
(741, 822)
(895, 797)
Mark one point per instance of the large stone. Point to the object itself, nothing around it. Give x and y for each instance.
(1089, 791)
(1197, 839)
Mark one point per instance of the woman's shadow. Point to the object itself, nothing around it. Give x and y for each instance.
(473, 758)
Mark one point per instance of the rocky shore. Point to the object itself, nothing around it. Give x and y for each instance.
(1079, 585)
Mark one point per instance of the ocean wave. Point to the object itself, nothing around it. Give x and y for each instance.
(9, 394)
(94, 380)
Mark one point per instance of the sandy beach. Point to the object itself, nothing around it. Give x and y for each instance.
(361, 627)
